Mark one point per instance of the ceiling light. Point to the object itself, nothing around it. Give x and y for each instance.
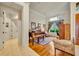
(54, 19)
(16, 17)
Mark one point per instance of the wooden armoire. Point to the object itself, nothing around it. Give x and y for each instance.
(61, 31)
(67, 31)
(64, 31)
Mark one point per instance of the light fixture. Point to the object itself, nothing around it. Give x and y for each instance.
(16, 17)
(53, 19)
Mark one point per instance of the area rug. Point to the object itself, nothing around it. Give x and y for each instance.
(43, 42)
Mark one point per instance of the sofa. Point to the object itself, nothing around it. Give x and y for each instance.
(66, 46)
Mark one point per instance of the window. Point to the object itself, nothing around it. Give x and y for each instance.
(54, 19)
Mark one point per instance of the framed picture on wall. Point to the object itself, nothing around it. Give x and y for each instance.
(33, 25)
(39, 25)
(7, 25)
(44, 26)
(77, 6)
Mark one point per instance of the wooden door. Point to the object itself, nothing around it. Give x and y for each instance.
(77, 29)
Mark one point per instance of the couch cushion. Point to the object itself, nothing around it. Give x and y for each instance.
(63, 42)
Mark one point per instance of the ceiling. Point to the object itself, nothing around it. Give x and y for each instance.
(12, 5)
(49, 9)
(11, 9)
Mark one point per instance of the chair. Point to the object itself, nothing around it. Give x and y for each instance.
(32, 37)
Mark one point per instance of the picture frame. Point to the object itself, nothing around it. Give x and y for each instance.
(44, 26)
(7, 25)
(33, 25)
(39, 25)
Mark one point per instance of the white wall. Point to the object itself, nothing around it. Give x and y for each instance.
(4, 30)
(36, 17)
(65, 15)
(7, 30)
(72, 6)
(9, 17)
(24, 24)
(13, 31)
(1, 31)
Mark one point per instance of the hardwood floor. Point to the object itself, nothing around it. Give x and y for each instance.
(46, 50)
(11, 48)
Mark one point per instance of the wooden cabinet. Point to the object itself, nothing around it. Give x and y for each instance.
(62, 31)
(67, 31)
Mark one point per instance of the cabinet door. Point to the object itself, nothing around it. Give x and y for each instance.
(67, 31)
(62, 31)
